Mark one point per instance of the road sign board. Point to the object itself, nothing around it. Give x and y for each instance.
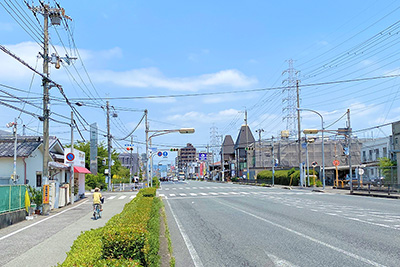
(360, 171)
(70, 156)
(202, 156)
(165, 154)
(159, 153)
(129, 144)
(304, 145)
(153, 149)
(314, 163)
(46, 194)
(336, 162)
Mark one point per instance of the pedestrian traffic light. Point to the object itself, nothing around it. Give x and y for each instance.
(174, 149)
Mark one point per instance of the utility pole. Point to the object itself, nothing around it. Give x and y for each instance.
(130, 160)
(13, 124)
(298, 122)
(349, 135)
(260, 131)
(147, 146)
(247, 145)
(108, 145)
(55, 15)
(72, 178)
(273, 163)
(222, 159)
(208, 161)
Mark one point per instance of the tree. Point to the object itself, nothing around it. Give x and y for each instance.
(386, 167)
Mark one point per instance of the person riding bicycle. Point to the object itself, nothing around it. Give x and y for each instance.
(97, 198)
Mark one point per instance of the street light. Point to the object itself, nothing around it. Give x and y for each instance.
(313, 131)
(148, 141)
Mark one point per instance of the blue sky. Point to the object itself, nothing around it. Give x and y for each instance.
(143, 48)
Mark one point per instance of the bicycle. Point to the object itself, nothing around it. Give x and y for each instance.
(96, 211)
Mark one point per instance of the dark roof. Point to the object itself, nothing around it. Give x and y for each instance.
(245, 138)
(25, 146)
(228, 145)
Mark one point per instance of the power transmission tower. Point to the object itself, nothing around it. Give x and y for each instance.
(289, 99)
(214, 142)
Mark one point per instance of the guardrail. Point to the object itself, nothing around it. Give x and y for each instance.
(127, 187)
(12, 197)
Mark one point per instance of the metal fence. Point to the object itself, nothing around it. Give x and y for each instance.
(12, 197)
(127, 187)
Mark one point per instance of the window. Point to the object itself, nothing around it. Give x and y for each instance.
(38, 179)
(384, 152)
(364, 158)
(377, 153)
(370, 155)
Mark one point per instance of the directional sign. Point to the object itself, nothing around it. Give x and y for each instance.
(202, 156)
(129, 145)
(304, 145)
(165, 154)
(159, 153)
(153, 149)
(360, 171)
(70, 157)
(336, 162)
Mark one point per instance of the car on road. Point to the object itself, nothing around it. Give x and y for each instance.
(175, 179)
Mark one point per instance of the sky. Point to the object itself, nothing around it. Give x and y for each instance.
(135, 53)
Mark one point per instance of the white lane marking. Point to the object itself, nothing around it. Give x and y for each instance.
(173, 188)
(214, 194)
(172, 195)
(132, 196)
(33, 224)
(112, 197)
(234, 193)
(166, 189)
(183, 195)
(224, 193)
(192, 251)
(280, 262)
(194, 187)
(244, 193)
(203, 194)
(122, 197)
(162, 195)
(357, 257)
(180, 187)
(193, 194)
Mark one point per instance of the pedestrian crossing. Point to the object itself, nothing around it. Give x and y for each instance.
(229, 193)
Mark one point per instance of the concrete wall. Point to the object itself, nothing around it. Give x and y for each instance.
(12, 217)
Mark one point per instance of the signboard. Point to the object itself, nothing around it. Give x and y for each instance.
(314, 164)
(360, 171)
(159, 153)
(304, 145)
(93, 148)
(46, 194)
(336, 162)
(153, 149)
(165, 154)
(203, 156)
(70, 157)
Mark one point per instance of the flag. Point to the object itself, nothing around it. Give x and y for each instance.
(27, 201)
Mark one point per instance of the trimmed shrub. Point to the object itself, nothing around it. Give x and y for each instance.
(130, 238)
(156, 182)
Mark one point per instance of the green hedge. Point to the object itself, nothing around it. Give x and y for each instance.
(281, 177)
(130, 238)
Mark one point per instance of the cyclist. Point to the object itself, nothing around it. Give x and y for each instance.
(97, 198)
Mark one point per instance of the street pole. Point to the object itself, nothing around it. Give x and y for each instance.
(222, 159)
(72, 178)
(130, 161)
(151, 168)
(247, 146)
(109, 145)
(308, 167)
(259, 131)
(15, 151)
(323, 152)
(349, 135)
(273, 163)
(298, 124)
(46, 111)
(147, 146)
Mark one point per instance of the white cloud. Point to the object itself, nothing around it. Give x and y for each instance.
(196, 118)
(152, 77)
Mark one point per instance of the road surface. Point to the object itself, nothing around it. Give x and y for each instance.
(215, 224)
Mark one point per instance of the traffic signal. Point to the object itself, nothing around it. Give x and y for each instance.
(174, 149)
(249, 148)
(129, 148)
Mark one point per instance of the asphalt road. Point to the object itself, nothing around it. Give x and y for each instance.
(45, 240)
(214, 224)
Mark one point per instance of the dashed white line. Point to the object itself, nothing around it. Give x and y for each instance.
(122, 197)
(112, 197)
(172, 195)
(193, 194)
(183, 195)
(203, 194)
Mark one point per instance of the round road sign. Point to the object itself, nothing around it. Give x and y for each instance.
(360, 171)
(336, 162)
(159, 153)
(314, 164)
(70, 156)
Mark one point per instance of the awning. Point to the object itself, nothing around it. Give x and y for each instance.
(81, 170)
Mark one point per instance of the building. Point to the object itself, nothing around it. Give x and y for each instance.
(244, 152)
(228, 151)
(186, 159)
(130, 160)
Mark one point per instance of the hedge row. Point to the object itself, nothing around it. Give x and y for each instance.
(281, 177)
(130, 238)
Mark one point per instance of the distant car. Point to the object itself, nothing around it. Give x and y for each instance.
(175, 179)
